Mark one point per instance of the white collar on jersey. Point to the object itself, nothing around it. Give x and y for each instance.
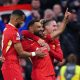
(11, 24)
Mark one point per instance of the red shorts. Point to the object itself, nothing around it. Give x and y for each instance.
(12, 73)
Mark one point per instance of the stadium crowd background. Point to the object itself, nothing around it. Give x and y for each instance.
(49, 9)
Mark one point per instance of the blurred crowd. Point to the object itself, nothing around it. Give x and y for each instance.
(54, 9)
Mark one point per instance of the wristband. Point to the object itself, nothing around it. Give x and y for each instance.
(33, 54)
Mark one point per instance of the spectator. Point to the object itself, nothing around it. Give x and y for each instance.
(48, 3)
(64, 5)
(70, 71)
(48, 14)
(6, 2)
(58, 12)
(35, 14)
(15, 2)
(36, 6)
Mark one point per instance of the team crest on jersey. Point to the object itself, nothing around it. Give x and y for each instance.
(17, 36)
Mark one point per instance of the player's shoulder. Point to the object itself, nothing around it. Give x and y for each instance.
(10, 27)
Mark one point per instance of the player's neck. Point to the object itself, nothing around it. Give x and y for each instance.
(12, 23)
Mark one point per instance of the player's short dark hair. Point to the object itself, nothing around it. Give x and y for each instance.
(18, 13)
(47, 22)
(31, 23)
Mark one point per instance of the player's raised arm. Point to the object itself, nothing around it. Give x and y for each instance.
(62, 26)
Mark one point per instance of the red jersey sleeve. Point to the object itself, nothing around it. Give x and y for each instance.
(27, 34)
(56, 55)
(25, 45)
(57, 51)
(15, 37)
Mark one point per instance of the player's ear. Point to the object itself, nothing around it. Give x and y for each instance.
(31, 28)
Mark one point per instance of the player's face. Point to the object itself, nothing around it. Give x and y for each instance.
(20, 21)
(38, 29)
(52, 27)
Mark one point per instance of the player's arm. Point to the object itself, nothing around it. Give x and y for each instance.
(62, 26)
(27, 34)
(23, 53)
(20, 50)
(58, 49)
(57, 52)
(56, 55)
(18, 47)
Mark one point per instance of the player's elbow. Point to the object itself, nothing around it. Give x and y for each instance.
(20, 54)
(61, 58)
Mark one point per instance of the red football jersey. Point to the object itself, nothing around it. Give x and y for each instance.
(41, 66)
(11, 68)
(55, 48)
(9, 38)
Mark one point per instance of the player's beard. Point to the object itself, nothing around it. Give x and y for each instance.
(18, 25)
(39, 33)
